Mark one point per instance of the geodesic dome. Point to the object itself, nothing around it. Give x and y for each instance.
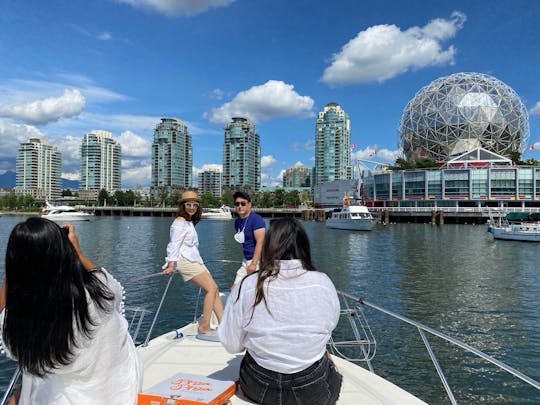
(457, 113)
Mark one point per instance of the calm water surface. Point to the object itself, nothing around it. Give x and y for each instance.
(454, 278)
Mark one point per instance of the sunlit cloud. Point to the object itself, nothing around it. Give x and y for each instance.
(173, 8)
(70, 103)
(535, 110)
(274, 99)
(382, 52)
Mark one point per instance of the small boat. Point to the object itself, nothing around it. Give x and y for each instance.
(65, 213)
(528, 232)
(516, 226)
(222, 212)
(351, 217)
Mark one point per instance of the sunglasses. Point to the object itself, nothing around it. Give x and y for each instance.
(191, 204)
(238, 203)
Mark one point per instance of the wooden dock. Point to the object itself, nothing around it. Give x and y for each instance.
(386, 215)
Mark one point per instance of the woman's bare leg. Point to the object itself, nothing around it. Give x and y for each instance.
(212, 300)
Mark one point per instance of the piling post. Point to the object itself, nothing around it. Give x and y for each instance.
(386, 216)
(441, 217)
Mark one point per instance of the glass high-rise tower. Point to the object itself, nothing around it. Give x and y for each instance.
(332, 145)
(100, 164)
(39, 170)
(172, 157)
(241, 155)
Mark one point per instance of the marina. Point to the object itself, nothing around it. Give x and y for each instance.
(487, 300)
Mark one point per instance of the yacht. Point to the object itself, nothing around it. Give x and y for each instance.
(65, 213)
(222, 212)
(352, 217)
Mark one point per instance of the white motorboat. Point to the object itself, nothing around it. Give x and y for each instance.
(352, 217)
(184, 351)
(65, 213)
(222, 212)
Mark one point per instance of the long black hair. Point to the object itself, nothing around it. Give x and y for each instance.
(46, 296)
(285, 240)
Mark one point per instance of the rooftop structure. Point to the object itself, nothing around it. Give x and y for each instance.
(458, 113)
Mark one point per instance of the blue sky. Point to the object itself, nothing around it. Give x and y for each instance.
(68, 67)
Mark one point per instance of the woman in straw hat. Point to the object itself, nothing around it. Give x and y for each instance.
(183, 254)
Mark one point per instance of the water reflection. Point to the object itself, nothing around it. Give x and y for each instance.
(453, 277)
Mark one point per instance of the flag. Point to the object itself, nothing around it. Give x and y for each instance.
(353, 146)
(372, 153)
(531, 147)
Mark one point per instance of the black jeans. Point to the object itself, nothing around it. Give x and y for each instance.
(319, 384)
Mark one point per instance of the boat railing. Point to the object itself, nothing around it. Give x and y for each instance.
(353, 311)
(358, 308)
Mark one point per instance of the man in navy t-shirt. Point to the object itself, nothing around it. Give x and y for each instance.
(250, 229)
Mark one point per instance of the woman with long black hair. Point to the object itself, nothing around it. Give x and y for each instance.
(62, 321)
(283, 316)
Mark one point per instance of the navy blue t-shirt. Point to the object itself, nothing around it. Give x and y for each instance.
(252, 222)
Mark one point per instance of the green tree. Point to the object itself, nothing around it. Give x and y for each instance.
(67, 193)
(209, 200)
(292, 198)
(227, 198)
(279, 195)
(531, 162)
(103, 197)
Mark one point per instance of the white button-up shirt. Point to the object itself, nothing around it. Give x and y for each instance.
(184, 242)
(289, 336)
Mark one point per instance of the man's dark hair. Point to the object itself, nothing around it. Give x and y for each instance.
(243, 195)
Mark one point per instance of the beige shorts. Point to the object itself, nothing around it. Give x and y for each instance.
(242, 271)
(189, 269)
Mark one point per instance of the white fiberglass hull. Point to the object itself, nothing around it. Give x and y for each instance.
(68, 217)
(351, 224)
(211, 215)
(527, 234)
(167, 355)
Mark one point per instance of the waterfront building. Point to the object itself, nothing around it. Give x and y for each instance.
(477, 178)
(39, 170)
(172, 157)
(461, 112)
(297, 176)
(332, 145)
(100, 164)
(241, 155)
(210, 182)
(331, 193)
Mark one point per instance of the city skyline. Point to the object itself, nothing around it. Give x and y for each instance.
(123, 65)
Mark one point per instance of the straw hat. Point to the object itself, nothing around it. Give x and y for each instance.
(189, 196)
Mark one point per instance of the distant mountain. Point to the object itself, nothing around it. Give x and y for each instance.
(8, 180)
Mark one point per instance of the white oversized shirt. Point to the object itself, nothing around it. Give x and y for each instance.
(105, 368)
(183, 242)
(304, 310)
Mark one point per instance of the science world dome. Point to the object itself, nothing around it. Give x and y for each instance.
(461, 112)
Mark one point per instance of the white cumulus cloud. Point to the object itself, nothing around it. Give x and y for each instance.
(134, 145)
(372, 153)
(382, 52)
(69, 104)
(177, 7)
(535, 110)
(11, 135)
(265, 102)
(267, 161)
